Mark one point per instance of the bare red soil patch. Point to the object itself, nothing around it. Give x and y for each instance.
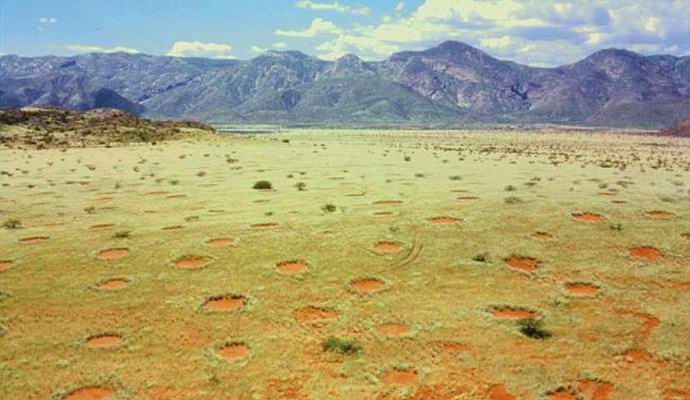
(291, 267)
(451, 347)
(366, 285)
(498, 392)
(103, 341)
(112, 254)
(101, 227)
(233, 351)
(400, 377)
(646, 253)
(562, 394)
(113, 284)
(393, 330)
(191, 262)
(91, 393)
(659, 215)
(225, 303)
(311, 314)
(522, 264)
(387, 247)
(173, 228)
(596, 390)
(5, 265)
(444, 220)
(265, 225)
(512, 313)
(34, 239)
(588, 217)
(581, 289)
(541, 236)
(636, 355)
(219, 242)
(388, 203)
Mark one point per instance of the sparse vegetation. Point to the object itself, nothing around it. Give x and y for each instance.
(340, 346)
(263, 185)
(534, 328)
(12, 223)
(329, 208)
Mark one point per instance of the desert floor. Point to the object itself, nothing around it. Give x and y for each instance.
(158, 272)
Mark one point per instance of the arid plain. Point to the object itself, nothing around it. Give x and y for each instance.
(441, 265)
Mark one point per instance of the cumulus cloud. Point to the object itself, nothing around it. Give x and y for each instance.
(82, 48)
(201, 49)
(318, 27)
(47, 20)
(335, 6)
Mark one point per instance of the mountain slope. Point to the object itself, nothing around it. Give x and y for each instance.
(446, 84)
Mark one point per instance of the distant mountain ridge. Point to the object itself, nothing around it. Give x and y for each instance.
(452, 84)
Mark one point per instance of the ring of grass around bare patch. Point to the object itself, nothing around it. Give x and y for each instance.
(588, 217)
(541, 236)
(562, 394)
(387, 247)
(5, 265)
(90, 393)
(400, 376)
(112, 254)
(225, 303)
(581, 289)
(291, 266)
(104, 341)
(512, 313)
(314, 315)
(646, 253)
(113, 284)
(659, 215)
(444, 220)
(192, 262)
(366, 285)
(393, 330)
(220, 242)
(233, 351)
(34, 239)
(522, 263)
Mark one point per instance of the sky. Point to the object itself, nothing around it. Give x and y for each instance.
(534, 32)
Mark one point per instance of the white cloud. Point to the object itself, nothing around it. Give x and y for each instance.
(257, 49)
(82, 48)
(318, 27)
(335, 6)
(47, 20)
(201, 49)
(279, 45)
(400, 7)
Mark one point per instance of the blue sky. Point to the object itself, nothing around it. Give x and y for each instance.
(538, 32)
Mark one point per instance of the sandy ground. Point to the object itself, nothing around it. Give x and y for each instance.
(158, 272)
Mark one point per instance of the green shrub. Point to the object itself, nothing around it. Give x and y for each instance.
(329, 208)
(263, 185)
(340, 346)
(12, 224)
(534, 329)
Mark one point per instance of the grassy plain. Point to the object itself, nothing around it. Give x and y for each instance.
(380, 265)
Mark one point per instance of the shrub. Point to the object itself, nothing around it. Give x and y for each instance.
(329, 208)
(340, 346)
(513, 200)
(533, 329)
(12, 224)
(263, 185)
(301, 186)
(482, 258)
(121, 235)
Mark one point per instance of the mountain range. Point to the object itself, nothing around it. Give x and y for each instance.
(451, 84)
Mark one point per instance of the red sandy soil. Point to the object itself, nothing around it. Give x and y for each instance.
(646, 253)
(636, 355)
(312, 314)
(112, 254)
(92, 393)
(581, 289)
(113, 284)
(596, 390)
(191, 262)
(226, 303)
(99, 227)
(366, 285)
(393, 330)
(398, 377)
(498, 392)
(291, 267)
(680, 130)
(522, 264)
(444, 220)
(588, 217)
(659, 215)
(101, 341)
(5, 265)
(515, 314)
(562, 394)
(233, 351)
(387, 247)
(33, 239)
(219, 242)
(541, 236)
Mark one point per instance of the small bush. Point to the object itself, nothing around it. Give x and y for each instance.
(616, 227)
(340, 346)
(513, 200)
(455, 178)
(12, 224)
(329, 208)
(263, 185)
(408, 158)
(534, 329)
(122, 235)
(301, 186)
(482, 258)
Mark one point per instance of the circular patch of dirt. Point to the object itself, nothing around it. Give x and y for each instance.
(291, 267)
(659, 215)
(388, 203)
(113, 284)
(596, 390)
(588, 217)
(91, 393)
(387, 247)
(393, 330)
(513, 313)
(103, 341)
(581, 289)
(191, 262)
(5, 265)
(225, 303)
(443, 221)
(646, 253)
(112, 254)
(366, 285)
(498, 392)
(541, 236)
(311, 314)
(219, 242)
(265, 225)
(636, 355)
(34, 239)
(522, 264)
(101, 227)
(233, 351)
(400, 377)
